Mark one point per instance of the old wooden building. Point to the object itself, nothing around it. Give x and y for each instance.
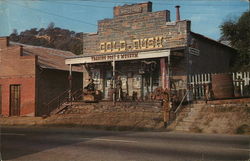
(147, 50)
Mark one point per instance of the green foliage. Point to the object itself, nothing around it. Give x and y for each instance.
(238, 33)
(52, 37)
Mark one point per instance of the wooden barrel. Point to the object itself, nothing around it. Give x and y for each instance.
(222, 86)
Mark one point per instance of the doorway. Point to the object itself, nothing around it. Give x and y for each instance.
(15, 100)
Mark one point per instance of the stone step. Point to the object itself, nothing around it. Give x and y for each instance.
(196, 109)
(185, 123)
(180, 128)
(189, 120)
(192, 115)
(194, 112)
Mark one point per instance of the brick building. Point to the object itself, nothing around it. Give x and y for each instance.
(30, 77)
(145, 49)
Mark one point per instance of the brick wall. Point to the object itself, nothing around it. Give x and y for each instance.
(27, 106)
(4, 42)
(38, 86)
(18, 70)
(14, 64)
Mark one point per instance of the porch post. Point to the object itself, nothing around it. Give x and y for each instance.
(114, 85)
(70, 82)
(163, 73)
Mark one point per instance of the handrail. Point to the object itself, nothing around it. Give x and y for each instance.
(57, 101)
(62, 98)
(177, 109)
(55, 98)
(76, 94)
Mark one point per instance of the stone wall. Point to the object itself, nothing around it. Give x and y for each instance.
(220, 116)
(143, 30)
(125, 115)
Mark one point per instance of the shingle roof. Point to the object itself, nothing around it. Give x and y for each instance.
(47, 57)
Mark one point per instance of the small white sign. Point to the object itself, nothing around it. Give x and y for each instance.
(194, 51)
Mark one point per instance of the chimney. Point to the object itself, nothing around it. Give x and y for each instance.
(4, 42)
(177, 13)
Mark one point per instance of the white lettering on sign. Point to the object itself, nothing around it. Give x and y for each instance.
(116, 57)
(137, 44)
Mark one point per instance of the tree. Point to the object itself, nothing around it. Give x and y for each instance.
(238, 33)
(14, 32)
(53, 37)
(51, 25)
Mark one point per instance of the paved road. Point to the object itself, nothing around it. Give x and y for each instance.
(73, 144)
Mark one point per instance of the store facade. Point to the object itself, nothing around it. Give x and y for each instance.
(145, 50)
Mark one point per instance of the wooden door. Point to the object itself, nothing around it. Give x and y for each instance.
(15, 100)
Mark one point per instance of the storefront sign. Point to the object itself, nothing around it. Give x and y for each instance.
(137, 44)
(116, 57)
(119, 57)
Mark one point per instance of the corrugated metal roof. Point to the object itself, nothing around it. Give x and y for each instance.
(48, 57)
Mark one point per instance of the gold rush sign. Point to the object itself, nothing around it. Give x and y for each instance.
(137, 44)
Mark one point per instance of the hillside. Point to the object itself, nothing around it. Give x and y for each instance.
(52, 37)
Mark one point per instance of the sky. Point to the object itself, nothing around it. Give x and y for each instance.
(82, 15)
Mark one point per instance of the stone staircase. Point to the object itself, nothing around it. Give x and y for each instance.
(217, 116)
(187, 118)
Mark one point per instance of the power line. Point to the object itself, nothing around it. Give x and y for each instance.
(72, 19)
(49, 13)
(85, 22)
(79, 4)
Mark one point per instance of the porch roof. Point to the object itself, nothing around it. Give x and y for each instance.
(118, 57)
